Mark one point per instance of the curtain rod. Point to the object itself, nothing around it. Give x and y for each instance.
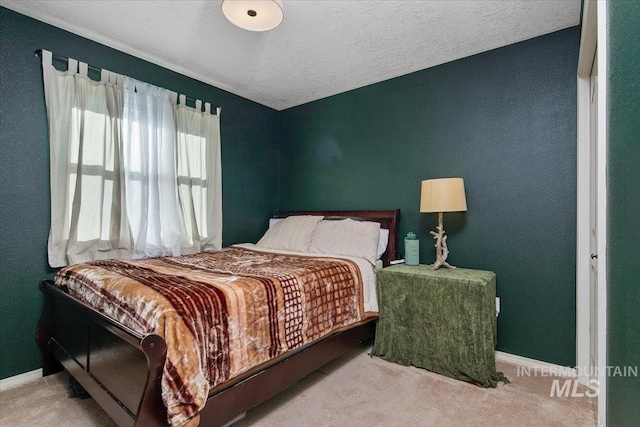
(38, 54)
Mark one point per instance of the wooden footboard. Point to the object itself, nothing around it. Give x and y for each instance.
(122, 370)
(118, 367)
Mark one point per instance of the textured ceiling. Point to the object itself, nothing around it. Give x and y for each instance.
(322, 47)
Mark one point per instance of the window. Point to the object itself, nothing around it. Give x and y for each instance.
(132, 173)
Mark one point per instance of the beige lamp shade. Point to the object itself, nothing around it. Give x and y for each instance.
(443, 195)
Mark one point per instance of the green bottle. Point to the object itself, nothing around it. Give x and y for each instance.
(411, 249)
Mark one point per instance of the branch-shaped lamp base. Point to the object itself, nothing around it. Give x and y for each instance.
(442, 251)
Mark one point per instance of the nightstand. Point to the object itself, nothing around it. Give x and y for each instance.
(443, 321)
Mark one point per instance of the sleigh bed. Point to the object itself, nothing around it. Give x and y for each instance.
(123, 369)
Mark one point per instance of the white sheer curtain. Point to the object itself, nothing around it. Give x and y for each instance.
(132, 174)
(149, 139)
(199, 176)
(87, 217)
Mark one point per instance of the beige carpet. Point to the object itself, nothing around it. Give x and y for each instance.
(355, 390)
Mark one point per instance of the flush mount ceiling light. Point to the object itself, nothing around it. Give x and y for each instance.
(253, 15)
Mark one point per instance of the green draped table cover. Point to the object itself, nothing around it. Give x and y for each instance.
(443, 321)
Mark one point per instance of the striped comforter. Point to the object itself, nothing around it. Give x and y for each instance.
(221, 313)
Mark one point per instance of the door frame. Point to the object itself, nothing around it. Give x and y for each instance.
(594, 34)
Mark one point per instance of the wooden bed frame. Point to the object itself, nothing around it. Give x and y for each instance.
(122, 369)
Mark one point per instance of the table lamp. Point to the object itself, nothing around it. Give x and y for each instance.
(442, 195)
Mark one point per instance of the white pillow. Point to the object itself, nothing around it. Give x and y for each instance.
(347, 237)
(291, 234)
(274, 221)
(383, 241)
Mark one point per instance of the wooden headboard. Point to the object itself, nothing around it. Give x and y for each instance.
(387, 219)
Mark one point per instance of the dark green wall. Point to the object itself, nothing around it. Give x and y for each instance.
(623, 208)
(250, 156)
(505, 121)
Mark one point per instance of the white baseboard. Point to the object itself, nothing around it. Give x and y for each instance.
(20, 379)
(533, 363)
